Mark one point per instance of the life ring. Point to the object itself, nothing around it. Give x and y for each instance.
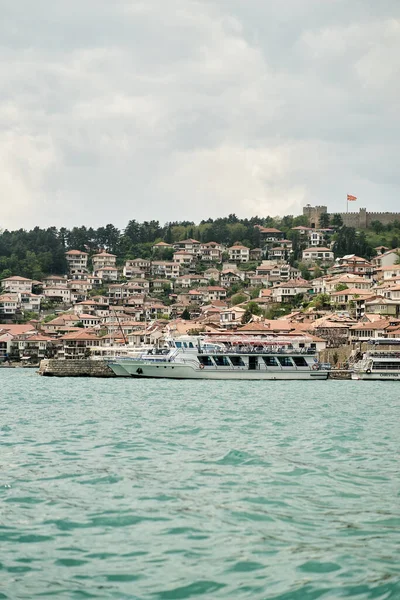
(315, 367)
(201, 366)
(368, 371)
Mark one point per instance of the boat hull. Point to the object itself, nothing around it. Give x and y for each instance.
(169, 371)
(118, 369)
(375, 376)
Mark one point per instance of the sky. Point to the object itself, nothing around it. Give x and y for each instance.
(191, 109)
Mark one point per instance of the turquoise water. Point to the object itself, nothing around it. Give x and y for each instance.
(169, 490)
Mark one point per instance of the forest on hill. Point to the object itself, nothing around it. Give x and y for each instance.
(41, 252)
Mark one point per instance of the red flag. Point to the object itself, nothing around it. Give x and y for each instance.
(351, 198)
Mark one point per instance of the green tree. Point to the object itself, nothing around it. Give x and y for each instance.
(324, 220)
(321, 301)
(254, 308)
(238, 299)
(377, 226)
(185, 315)
(255, 292)
(246, 317)
(336, 221)
(49, 318)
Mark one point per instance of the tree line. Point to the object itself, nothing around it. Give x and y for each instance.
(41, 252)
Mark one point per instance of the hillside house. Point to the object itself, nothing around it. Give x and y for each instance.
(16, 285)
(102, 260)
(318, 254)
(77, 262)
(239, 253)
(387, 259)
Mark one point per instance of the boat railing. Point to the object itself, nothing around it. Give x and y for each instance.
(385, 355)
(261, 350)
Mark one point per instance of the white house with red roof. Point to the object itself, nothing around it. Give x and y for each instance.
(77, 344)
(270, 235)
(239, 253)
(31, 346)
(16, 284)
(286, 291)
(161, 246)
(165, 269)
(184, 258)
(107, 273)
(189, 245)
(9, 304)
(54, 281)
(211, 252)
(386, 259)
(77, 261)
(316, 254)
(102, 260)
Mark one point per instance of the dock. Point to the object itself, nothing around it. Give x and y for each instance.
(342, 374)
(74, 368)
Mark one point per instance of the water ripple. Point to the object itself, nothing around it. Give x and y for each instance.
(147, 490)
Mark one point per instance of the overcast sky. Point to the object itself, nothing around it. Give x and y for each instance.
(189, 109)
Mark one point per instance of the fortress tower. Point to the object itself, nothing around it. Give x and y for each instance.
(313, 214)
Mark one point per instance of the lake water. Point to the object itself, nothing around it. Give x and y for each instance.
(169, 490)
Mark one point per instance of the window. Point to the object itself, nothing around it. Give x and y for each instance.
(205, 361)
(270, 361)
(237, 361)
(285, 361)
(386, 365)
(300, 361)
(221, 361)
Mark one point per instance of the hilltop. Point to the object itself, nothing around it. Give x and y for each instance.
(41, 252)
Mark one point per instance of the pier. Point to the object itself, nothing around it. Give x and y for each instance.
(74, 368)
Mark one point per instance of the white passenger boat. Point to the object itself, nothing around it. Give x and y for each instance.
(198, 358)
(116, 353)
(382, 363)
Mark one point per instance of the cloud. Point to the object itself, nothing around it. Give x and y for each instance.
(195, 108)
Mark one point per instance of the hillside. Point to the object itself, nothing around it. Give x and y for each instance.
(38, 252)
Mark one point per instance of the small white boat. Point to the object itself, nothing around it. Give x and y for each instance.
(193, 357)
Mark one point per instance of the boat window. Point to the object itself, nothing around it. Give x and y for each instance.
(178, 344)
(270, 361)
(237, 361)
(221, 361)
(300, 361)
(384, 365)
(205, 361)
(191, 345)
(285, 361)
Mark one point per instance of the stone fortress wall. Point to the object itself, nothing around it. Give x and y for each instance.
(359, 220)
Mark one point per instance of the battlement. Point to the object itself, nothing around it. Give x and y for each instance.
(360, 220)
(379, 214)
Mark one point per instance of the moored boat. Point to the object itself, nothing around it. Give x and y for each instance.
(236, 359)
(381, 362)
